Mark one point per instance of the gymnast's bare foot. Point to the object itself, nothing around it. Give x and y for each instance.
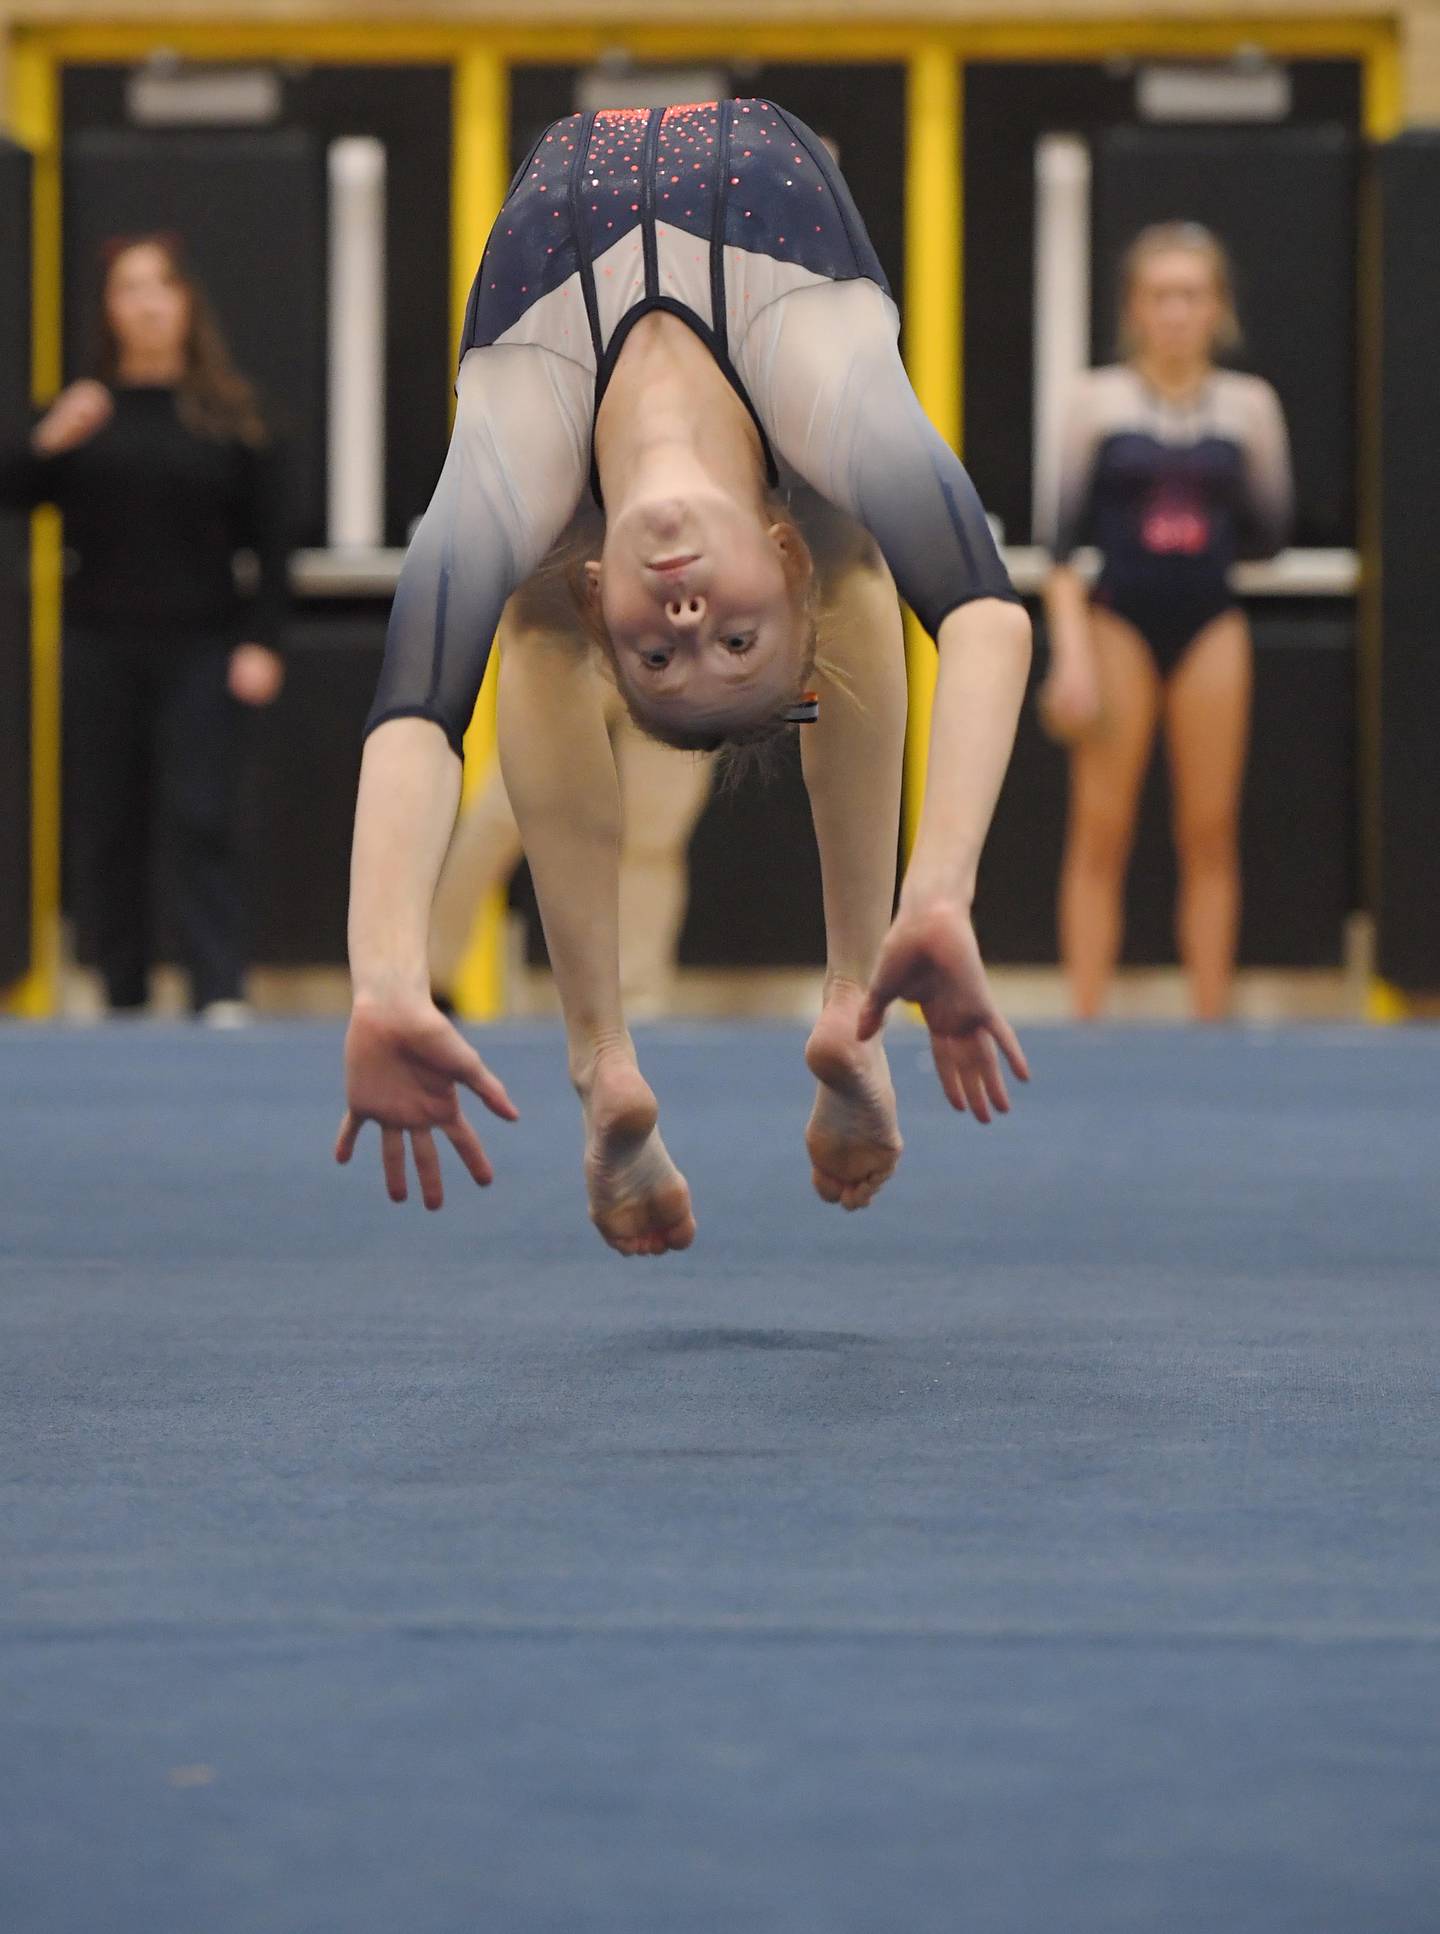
(639, 1200)
(854, 1132)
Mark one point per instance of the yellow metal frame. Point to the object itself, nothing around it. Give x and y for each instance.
(480, 170)
(480, 53)
(35, 120)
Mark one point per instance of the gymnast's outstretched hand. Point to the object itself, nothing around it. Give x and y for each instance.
(931, 956)
(403, 1062)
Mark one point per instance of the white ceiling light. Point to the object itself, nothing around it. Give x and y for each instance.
(167, 96)
(1199, 91)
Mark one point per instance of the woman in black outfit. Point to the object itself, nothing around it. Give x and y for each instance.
(164, 470)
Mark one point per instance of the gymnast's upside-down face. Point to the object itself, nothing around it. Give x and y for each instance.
(703, 601)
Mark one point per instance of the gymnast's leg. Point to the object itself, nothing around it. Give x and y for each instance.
(484, 852)
(1107, 770)
(1207, 723)
(662, 795)
(560, 775)
(853, 759)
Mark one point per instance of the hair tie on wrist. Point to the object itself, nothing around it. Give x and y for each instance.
(804, 711)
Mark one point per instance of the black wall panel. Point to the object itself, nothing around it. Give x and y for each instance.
(299, 796)
(1008, 106)
(409, 109)
(538, 96)
(862, 110)
(14, 569)
(260, 243)
(1408, 878)
(296, 807)
(265, 276)
(754, 876)
(1283, 201)
(1298, 844)
(1284, 198)
(756, 873)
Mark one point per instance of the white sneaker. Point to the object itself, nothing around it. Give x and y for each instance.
(226, 1014)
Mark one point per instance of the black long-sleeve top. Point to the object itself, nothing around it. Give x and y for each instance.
(154, 516)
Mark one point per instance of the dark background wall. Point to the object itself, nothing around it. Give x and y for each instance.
(1284, 202)
(266, 265)
(1284, 199)
(1298, 837)
(220, 193)
(14, 569)
(281, 298)
(1408, 844)
(1271, 225)
(756, 897)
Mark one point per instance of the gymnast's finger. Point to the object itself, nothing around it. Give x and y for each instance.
(883, 989)
(994, 1079)
(949, 1075)
(392, 1155)
(490, 1088)
(973, 1076)
(466, 1144)
(427, 1167)
(349, 1134)
(1010, 1046)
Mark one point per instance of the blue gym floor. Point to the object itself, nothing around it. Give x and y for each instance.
(1051, 1549)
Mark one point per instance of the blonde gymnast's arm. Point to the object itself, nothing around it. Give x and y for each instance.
(515, 468)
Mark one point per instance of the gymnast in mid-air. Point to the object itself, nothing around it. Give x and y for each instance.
(680, 310)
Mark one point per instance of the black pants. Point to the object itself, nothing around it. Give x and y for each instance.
(151, 746)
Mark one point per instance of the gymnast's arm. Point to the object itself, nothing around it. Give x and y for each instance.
(37, 472)
(824, 370)
(514, 471)
(1268, 512)
(1070, 696)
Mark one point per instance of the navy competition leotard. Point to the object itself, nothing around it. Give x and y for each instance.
(1172, 495)
(731, 216)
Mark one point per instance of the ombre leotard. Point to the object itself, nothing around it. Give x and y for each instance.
(732, 217)
(1172, 495)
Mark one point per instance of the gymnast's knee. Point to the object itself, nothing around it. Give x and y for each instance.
(1099, 844)
(1208, 845)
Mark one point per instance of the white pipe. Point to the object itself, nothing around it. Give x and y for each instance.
(356, 452)
(1062, 304)
(1293, 574)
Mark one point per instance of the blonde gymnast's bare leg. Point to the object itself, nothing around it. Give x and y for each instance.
(662, 795)
(853, 760)
(560, 774)
(559, 765)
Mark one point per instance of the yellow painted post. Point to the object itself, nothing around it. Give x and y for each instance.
(479, 173)
(933, 325)
(1385, 1004)
(34, 120)
(1384, 88)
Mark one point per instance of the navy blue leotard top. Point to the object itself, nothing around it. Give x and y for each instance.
(1172, 494)
(732, 216)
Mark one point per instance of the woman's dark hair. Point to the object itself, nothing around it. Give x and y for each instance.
(214, 399)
